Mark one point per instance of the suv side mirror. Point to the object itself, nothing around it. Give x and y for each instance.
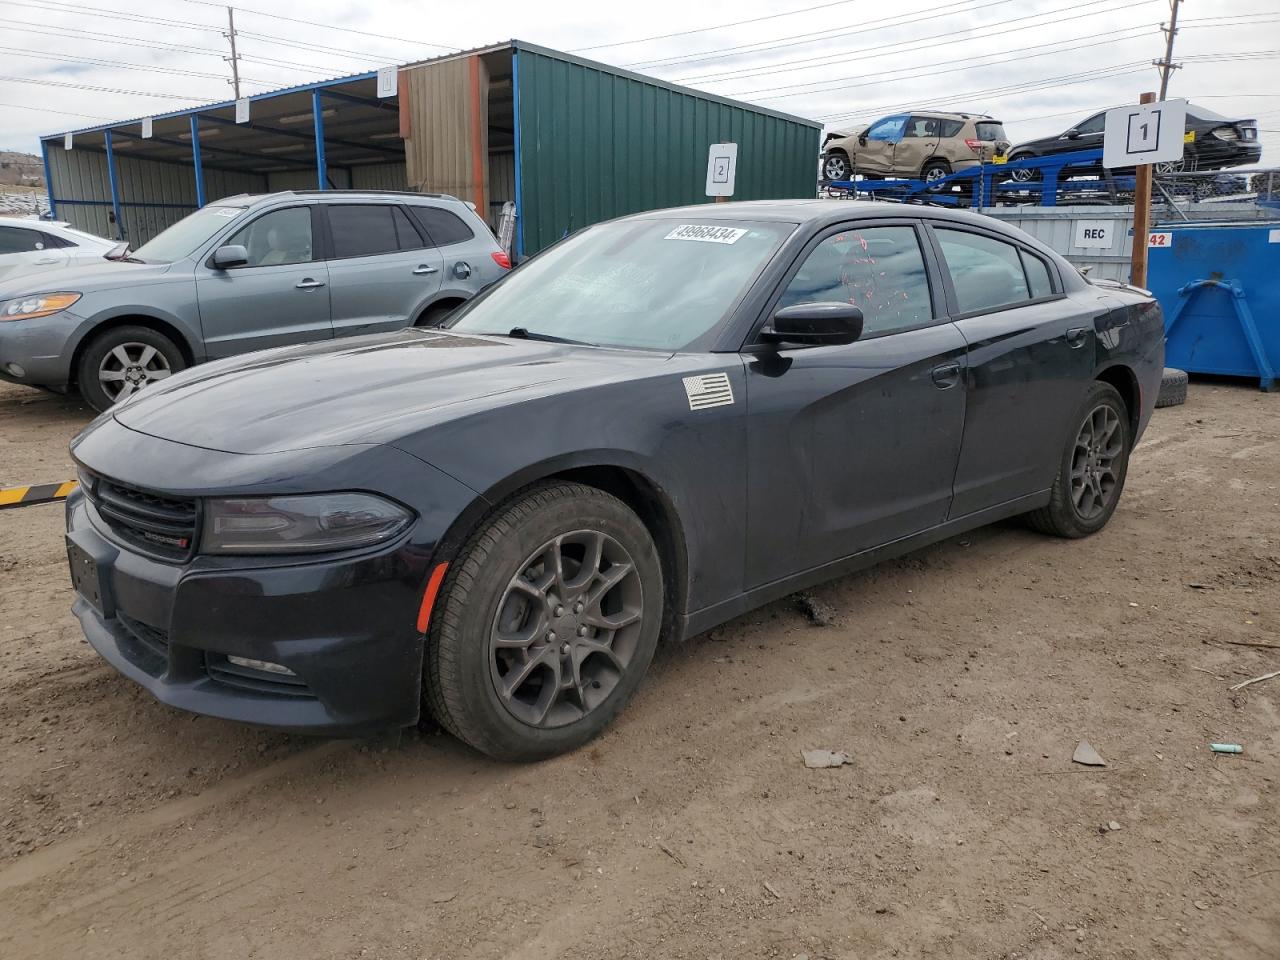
(232, 255)
(828, 322)
(1073, 134)
(862, 139)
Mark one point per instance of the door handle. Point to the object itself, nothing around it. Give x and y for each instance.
(423, 270)
(1077, 336)
(309, 284)
(946, 375)
(47, 260)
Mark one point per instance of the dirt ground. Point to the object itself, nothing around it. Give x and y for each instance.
(959, 680)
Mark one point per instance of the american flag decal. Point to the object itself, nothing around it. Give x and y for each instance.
(708, 390)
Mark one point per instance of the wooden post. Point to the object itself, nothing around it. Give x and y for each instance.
(1141, 217)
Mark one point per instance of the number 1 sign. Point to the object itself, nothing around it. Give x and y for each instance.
(1148, 133)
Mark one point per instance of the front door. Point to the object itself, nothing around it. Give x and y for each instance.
(919, 143)
(1031, 356)
(856, 445)
(875, 146)
(280, 297)
(382, 268)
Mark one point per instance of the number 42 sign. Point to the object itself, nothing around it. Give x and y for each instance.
(1147, 133)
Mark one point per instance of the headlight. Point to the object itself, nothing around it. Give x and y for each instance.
(41, 305)
(311, 523)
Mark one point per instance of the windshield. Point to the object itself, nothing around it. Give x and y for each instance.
(654, 284)
(187, 235)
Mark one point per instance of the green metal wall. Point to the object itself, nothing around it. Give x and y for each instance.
(597, 143)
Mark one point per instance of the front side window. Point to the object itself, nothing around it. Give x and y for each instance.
(878, 269)
(17, 240)
(277, 238)
(986, 273)
(657, 284)
(889, 129)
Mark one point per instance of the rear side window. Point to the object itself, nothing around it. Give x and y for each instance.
(987, 274)
(1037, 276)
(442, 226)
(879, 269)
(951, 128)
(361, 230)
(17, 240)
(989, 130)
(54, 242)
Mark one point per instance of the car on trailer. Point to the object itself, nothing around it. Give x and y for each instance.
(923, 145)
(652, 427)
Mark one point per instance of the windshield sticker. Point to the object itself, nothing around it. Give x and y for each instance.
(709, 389)
(706, 234)
(229, 212)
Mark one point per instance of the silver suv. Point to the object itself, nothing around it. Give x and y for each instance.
(245, 273)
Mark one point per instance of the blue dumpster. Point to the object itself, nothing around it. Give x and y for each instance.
(1219, 285)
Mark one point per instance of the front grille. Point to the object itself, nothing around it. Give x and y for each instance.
(163, 526)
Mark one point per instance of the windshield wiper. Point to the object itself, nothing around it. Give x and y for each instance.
(520, 333)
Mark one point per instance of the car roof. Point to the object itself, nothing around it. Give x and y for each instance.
(813, 211)
(31, 222)
(252, 198)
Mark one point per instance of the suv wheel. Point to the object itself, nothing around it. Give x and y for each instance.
(935, 170)
(545, 625)
(124, 360)
(835, 166)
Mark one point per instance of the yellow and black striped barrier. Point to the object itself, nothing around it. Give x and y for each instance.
(40, 493)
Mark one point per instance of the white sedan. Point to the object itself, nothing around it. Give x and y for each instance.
(32, 246)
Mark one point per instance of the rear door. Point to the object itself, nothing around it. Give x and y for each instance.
(280, 297)
(919, 142)
(24, 252)
(876, 146)
(382, 268)
(1031, 353)
(854, 445)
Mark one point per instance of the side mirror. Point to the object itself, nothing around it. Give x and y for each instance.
(862, 139)
(232, 255)
(828, 322)
(1073, 134)
(118, 252)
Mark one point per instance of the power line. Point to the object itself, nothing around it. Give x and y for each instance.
(120, 64)
(823, 86)
(946, 38)
(328, 26)
(718, 26)
(41, 109)
(830, 33)
(49, 6)
(95, 89)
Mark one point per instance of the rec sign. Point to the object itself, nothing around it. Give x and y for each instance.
(1095, 234)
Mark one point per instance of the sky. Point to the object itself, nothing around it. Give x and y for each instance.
(1037, 65)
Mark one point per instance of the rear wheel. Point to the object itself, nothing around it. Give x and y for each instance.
(545, 625)
(1023, 175)
(1092, 470)
(123, 360)
(935, 170)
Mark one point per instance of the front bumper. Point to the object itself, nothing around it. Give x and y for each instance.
(42, 348)
(345, 627)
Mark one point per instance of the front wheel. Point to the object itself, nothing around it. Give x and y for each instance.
(1092, 470)
(835, 166)
(123, 360)
(546, 623)
(1022, 174)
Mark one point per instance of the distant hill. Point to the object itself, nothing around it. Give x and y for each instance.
(19, 168)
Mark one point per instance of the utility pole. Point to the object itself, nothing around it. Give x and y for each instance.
(1167, 66)
(234, 59)
(1141, 217)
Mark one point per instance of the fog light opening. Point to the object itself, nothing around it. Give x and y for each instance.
(15, 370)
(266, 666)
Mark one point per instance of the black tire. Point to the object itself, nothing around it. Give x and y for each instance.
(435, 314)
(134, 341)
(836, 166)
(1023, 176)
(1173, 388)
(462, 667)
(936, 168)
(1062, 517)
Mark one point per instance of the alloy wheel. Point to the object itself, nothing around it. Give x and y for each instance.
(835, 168)
(129, 367)
(566, 629)
(1095, 462)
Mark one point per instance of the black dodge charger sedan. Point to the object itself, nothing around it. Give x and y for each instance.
(657, 424)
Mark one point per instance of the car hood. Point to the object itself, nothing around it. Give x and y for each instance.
(363, 389)
(84, 278)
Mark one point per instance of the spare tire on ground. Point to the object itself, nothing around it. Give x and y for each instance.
(1173, 388)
